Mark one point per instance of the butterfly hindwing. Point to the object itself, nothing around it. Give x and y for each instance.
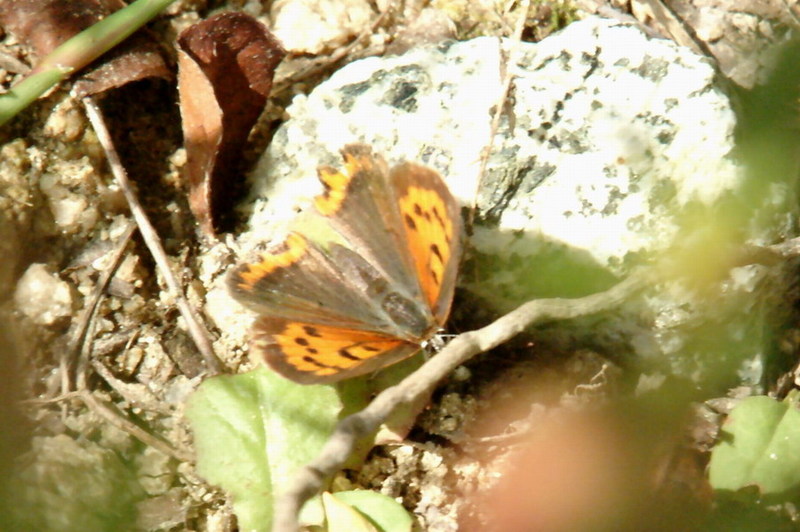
(312, 353)
(368, 292)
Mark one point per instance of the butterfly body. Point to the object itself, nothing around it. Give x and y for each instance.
(336, 308)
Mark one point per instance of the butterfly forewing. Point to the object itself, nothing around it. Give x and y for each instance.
(361, 205)
(345, 306)
(433, 228)
(299, 280)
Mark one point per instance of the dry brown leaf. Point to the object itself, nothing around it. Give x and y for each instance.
(46, 25)
(225, 70)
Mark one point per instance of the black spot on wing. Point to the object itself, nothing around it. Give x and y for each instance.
(344, 353)
(312, 331)
(317, 363)
(439, 217)
(437, 253)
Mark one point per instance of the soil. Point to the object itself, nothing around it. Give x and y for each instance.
(101, 393)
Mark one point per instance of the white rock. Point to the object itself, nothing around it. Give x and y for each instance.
(599, 109)
(311, 26)
(608, 138)
(71, 210)
(68, 210)
(42, 296)
(612, 135)
(428, 105)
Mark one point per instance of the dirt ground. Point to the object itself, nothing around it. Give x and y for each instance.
(101, 366)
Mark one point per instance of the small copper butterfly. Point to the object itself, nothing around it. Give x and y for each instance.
(368, 297)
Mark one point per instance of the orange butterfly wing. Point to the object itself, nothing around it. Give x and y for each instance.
(434, 233)
(331, 312)
(310, 353)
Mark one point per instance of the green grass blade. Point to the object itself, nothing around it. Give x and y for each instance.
(77, 52)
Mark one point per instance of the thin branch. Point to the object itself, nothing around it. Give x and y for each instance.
(311, 478)
(340, 53)
(500, 106)
(117, 419)
(77, 52)
(102, 284)
(680, 31)
(196, 329)
(79, 335)
(791, 12)
(138, 395)
(787, 248)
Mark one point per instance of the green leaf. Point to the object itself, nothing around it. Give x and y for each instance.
(386, 514)
(758, 446)
(253, 431)
(341, 517)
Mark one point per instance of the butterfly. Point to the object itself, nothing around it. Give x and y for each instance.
(370, 293)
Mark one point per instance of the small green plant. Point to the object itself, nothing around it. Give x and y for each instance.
(77, 52)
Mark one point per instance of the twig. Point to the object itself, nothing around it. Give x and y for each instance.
(310, 479)
(680, 31)
(77, 52)
(500, 105)
(197, 331)
(792, 14)
(118, 420)
(78, 338)
(312, 70)
(52, 400)
(138, 395)
(604, 10)
(83, 337)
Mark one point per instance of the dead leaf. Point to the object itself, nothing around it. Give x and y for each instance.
(46, 25)
(225, 70)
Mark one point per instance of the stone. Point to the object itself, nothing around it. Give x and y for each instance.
(610, 146)
(42, 296)
(312, 26)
